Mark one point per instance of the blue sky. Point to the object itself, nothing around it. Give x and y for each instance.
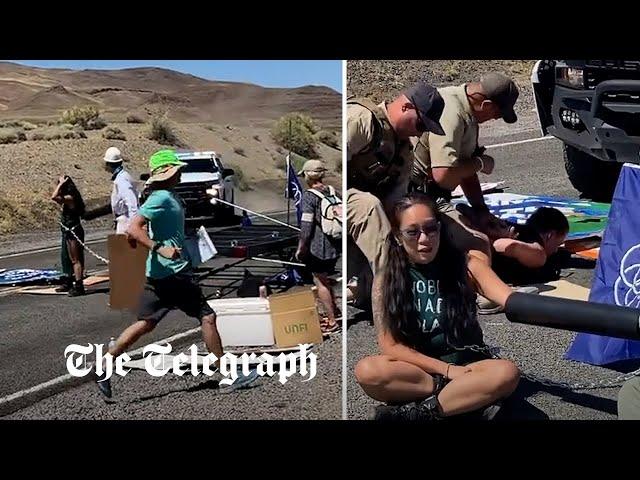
(267, 73)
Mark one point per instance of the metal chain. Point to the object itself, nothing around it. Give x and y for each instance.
(102, 259)
(606, 383)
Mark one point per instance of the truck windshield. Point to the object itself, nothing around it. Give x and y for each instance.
(200, 165)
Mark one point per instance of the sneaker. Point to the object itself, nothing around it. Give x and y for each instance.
(530, 289)
(328, 331)
(486, 306)
(104, 385)
(243, 381)
(489, 307)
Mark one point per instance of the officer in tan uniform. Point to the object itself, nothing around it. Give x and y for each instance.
(379, 163)
(442, 162)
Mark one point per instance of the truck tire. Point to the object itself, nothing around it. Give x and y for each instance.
(593, 178)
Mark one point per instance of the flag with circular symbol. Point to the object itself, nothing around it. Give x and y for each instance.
(617, 275)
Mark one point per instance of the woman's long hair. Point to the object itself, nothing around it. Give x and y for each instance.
(69, 188)
(458, 318)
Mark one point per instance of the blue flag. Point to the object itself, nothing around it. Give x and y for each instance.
(294, 189)
(617, 274)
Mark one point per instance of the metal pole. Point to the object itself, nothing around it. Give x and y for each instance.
(288, 170)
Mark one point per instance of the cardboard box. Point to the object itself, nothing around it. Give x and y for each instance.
(295, 318)
(243, 321)
(126, 272)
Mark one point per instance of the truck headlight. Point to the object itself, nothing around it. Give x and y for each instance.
(570, 77)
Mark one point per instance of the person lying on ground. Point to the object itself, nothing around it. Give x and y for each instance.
(522, 255)
(433, 362)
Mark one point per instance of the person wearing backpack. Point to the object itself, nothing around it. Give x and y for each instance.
(320, 242)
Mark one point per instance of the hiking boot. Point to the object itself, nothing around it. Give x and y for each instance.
(77, 289)
(65, 286)
(427, 409)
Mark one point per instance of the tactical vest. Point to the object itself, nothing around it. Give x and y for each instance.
(377, 167)
(421, 170)
(421, 177)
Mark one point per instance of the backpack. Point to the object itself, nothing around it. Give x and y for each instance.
(330, 213)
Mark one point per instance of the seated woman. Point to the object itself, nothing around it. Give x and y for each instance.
(67, 195)
(425, 312)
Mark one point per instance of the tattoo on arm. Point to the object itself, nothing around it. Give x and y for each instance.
(377, 303)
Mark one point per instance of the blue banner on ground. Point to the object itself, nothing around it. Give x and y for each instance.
(23, 276)
(586, 219)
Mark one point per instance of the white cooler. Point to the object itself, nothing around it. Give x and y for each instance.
(244, 321)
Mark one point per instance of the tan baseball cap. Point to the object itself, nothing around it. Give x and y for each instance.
(312, 166)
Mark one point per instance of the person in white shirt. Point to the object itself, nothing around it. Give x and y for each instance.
(124, 196)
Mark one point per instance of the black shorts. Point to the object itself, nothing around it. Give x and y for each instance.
(317, 265)
(180, 291)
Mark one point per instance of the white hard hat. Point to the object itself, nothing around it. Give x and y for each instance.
(113, 155)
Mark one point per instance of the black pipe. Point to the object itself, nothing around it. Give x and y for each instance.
(574, 315)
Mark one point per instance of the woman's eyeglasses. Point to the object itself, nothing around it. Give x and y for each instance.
(429, 229)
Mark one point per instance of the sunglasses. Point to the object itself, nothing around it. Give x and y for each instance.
(429, 229)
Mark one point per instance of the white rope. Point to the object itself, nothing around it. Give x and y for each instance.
(278, 261)
(257, 214)
(102, 259)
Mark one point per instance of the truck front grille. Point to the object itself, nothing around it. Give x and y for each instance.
(193, 192)
(597, 71)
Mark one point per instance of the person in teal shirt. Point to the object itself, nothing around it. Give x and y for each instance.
(164, 213)
(170, 281)
(433, 362)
